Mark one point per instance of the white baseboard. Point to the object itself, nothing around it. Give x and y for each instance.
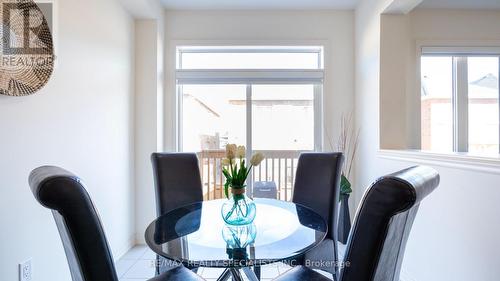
(405, 276)
(125, 247)
(139, 239)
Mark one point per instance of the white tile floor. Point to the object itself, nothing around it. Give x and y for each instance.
(138, 265)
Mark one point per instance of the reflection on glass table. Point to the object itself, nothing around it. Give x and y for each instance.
(238, 238)
(196, 235)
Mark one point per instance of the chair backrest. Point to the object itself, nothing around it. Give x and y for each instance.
(383, 222)
(317, 186)
(177, 180)
(82, 234)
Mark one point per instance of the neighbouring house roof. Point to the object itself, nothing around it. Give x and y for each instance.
(488, 81)
(274, 102)
(484, 87)
(203, 105)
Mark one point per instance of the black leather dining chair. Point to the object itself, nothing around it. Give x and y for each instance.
(177, 180)
(317, 186)
(177, 183)
(87, 250)
(383, 222)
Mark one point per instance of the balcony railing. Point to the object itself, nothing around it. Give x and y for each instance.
(279, 167)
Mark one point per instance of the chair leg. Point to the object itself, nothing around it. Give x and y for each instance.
(236, 274)
(252, 275)
(225, 275)
(257, 271)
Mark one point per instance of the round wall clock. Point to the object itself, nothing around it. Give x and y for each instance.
(27, 54)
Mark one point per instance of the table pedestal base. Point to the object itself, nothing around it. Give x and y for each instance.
(235, 273)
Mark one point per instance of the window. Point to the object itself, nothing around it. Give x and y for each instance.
(460, 101)
(483, 104)
(267, 98)
(437, 103)
(249, 58)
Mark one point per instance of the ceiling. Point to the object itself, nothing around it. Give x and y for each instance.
(462, 4)
(259, 4)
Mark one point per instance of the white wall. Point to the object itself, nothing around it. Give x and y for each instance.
(396, 82)
(83, 121)
(457, 25)
(455, 233)
(148, 115)
(367, 94)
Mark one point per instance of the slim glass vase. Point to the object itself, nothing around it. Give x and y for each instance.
(344, 223)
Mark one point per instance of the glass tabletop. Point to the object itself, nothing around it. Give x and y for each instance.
(196, 235)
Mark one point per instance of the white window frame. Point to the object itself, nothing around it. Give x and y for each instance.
(251, 77)
(460, 95)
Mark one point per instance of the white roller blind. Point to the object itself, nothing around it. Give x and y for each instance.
(298, 76)
(459, 51)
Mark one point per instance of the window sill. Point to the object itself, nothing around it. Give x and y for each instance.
(461, 161)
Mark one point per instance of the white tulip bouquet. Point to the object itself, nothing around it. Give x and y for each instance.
(240, 210)
(235, 169)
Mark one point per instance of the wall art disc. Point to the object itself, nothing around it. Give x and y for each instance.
(27, 51)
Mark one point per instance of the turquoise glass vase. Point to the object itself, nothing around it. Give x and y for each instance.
(239, 209)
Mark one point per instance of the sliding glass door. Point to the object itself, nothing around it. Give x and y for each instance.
(276, 119)
(268, 99)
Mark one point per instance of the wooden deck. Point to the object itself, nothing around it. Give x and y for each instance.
(278, 167)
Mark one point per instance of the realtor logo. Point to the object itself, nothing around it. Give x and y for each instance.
(27, 54)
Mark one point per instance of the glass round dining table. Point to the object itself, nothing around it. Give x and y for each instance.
(196, 236)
